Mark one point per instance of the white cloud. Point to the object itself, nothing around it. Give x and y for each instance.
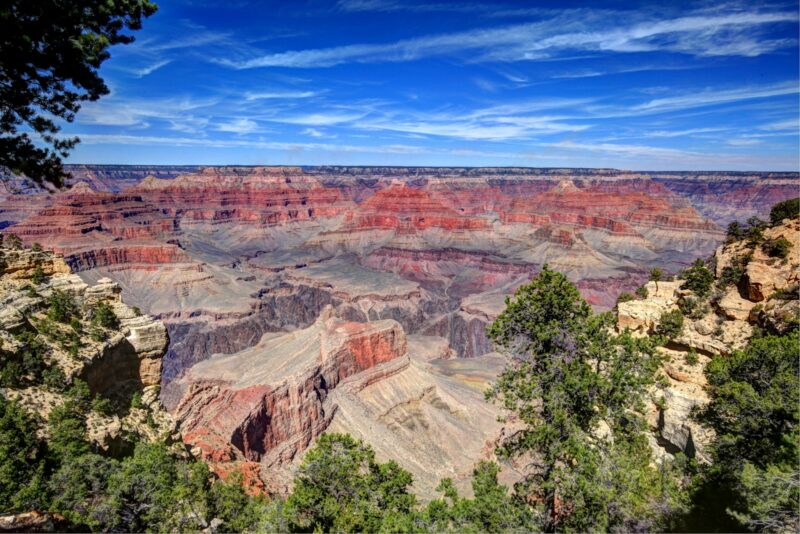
(239, 126)
(149, 69)
(736, 33)
(317, 119)
(682, 133)
(278, 95)
(791, 125)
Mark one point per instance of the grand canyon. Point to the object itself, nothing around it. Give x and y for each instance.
(300, 300)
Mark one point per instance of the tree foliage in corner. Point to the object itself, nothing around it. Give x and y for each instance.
(52, 51)
(756, 417)
(579, 391)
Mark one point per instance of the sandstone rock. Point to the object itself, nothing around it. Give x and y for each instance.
(33, 522)
(643, 315)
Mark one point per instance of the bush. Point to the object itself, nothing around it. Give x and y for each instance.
(735, 232)
(21, 459)
(62, 306)
(691, 357)
(777, 248)
(38, 276)
(693, 308)
(670, 325)
(755, 230)
(732, 274)
(102, 405)
(104, 316)
(624, 297)
(786, 293)
(136, 400)
(698, 279)
(54, 379)
(788, 209)
(36, 247)
(13, 241)
(641, 292)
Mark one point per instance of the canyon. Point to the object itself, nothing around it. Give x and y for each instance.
(355, 299)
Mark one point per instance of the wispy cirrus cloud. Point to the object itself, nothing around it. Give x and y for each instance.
(275, 95)
(708, 34)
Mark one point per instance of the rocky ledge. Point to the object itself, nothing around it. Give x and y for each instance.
(115, 360)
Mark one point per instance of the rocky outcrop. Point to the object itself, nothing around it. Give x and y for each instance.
(268, 402)
(114, 361)
(765, 296)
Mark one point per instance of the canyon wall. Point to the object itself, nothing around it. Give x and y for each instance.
(224, 255)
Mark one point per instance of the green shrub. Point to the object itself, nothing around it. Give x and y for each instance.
(788, 209)
(13, 241)
(735, 232)
(624, 297)
(102, 405)
(777, 248)
(693, 308)
(755, 230)
(104, 316)
(136, 311)
(38, 276)
(786, 293)
(62, 306)
(136, 400)
(670, 325)
(641, 292)
(698, 278)
(53, 378)
(691, 357)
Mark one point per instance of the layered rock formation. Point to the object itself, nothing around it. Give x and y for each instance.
(114, 362)
(761, 293)
(264, 405)
(227, 255)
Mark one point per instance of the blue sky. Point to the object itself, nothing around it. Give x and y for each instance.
(654, 86)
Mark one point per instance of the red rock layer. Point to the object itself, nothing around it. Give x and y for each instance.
(613, 207)
(287, 415)
(407, 209)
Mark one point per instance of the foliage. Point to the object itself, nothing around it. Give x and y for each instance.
(61, 306)
(12, 240)
(21, 459)
(656, 275)
(67, 424)
(569, 373)
(492, 509)
(691, 357)
(104, 316)
(755, 415)
(642, 292)
(624, 297)
(341, 487)
(52, 51)
(698, 278)
(735, 232)
(754, 232)
(53, 378)
(788, 209)
(693, 307)
(731, 274)
(38, 276)
(670, 324)
(25, 365)
(777, 248)
(36, 247)
(787, 293)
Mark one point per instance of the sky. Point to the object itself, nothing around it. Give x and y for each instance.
(650, 86)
